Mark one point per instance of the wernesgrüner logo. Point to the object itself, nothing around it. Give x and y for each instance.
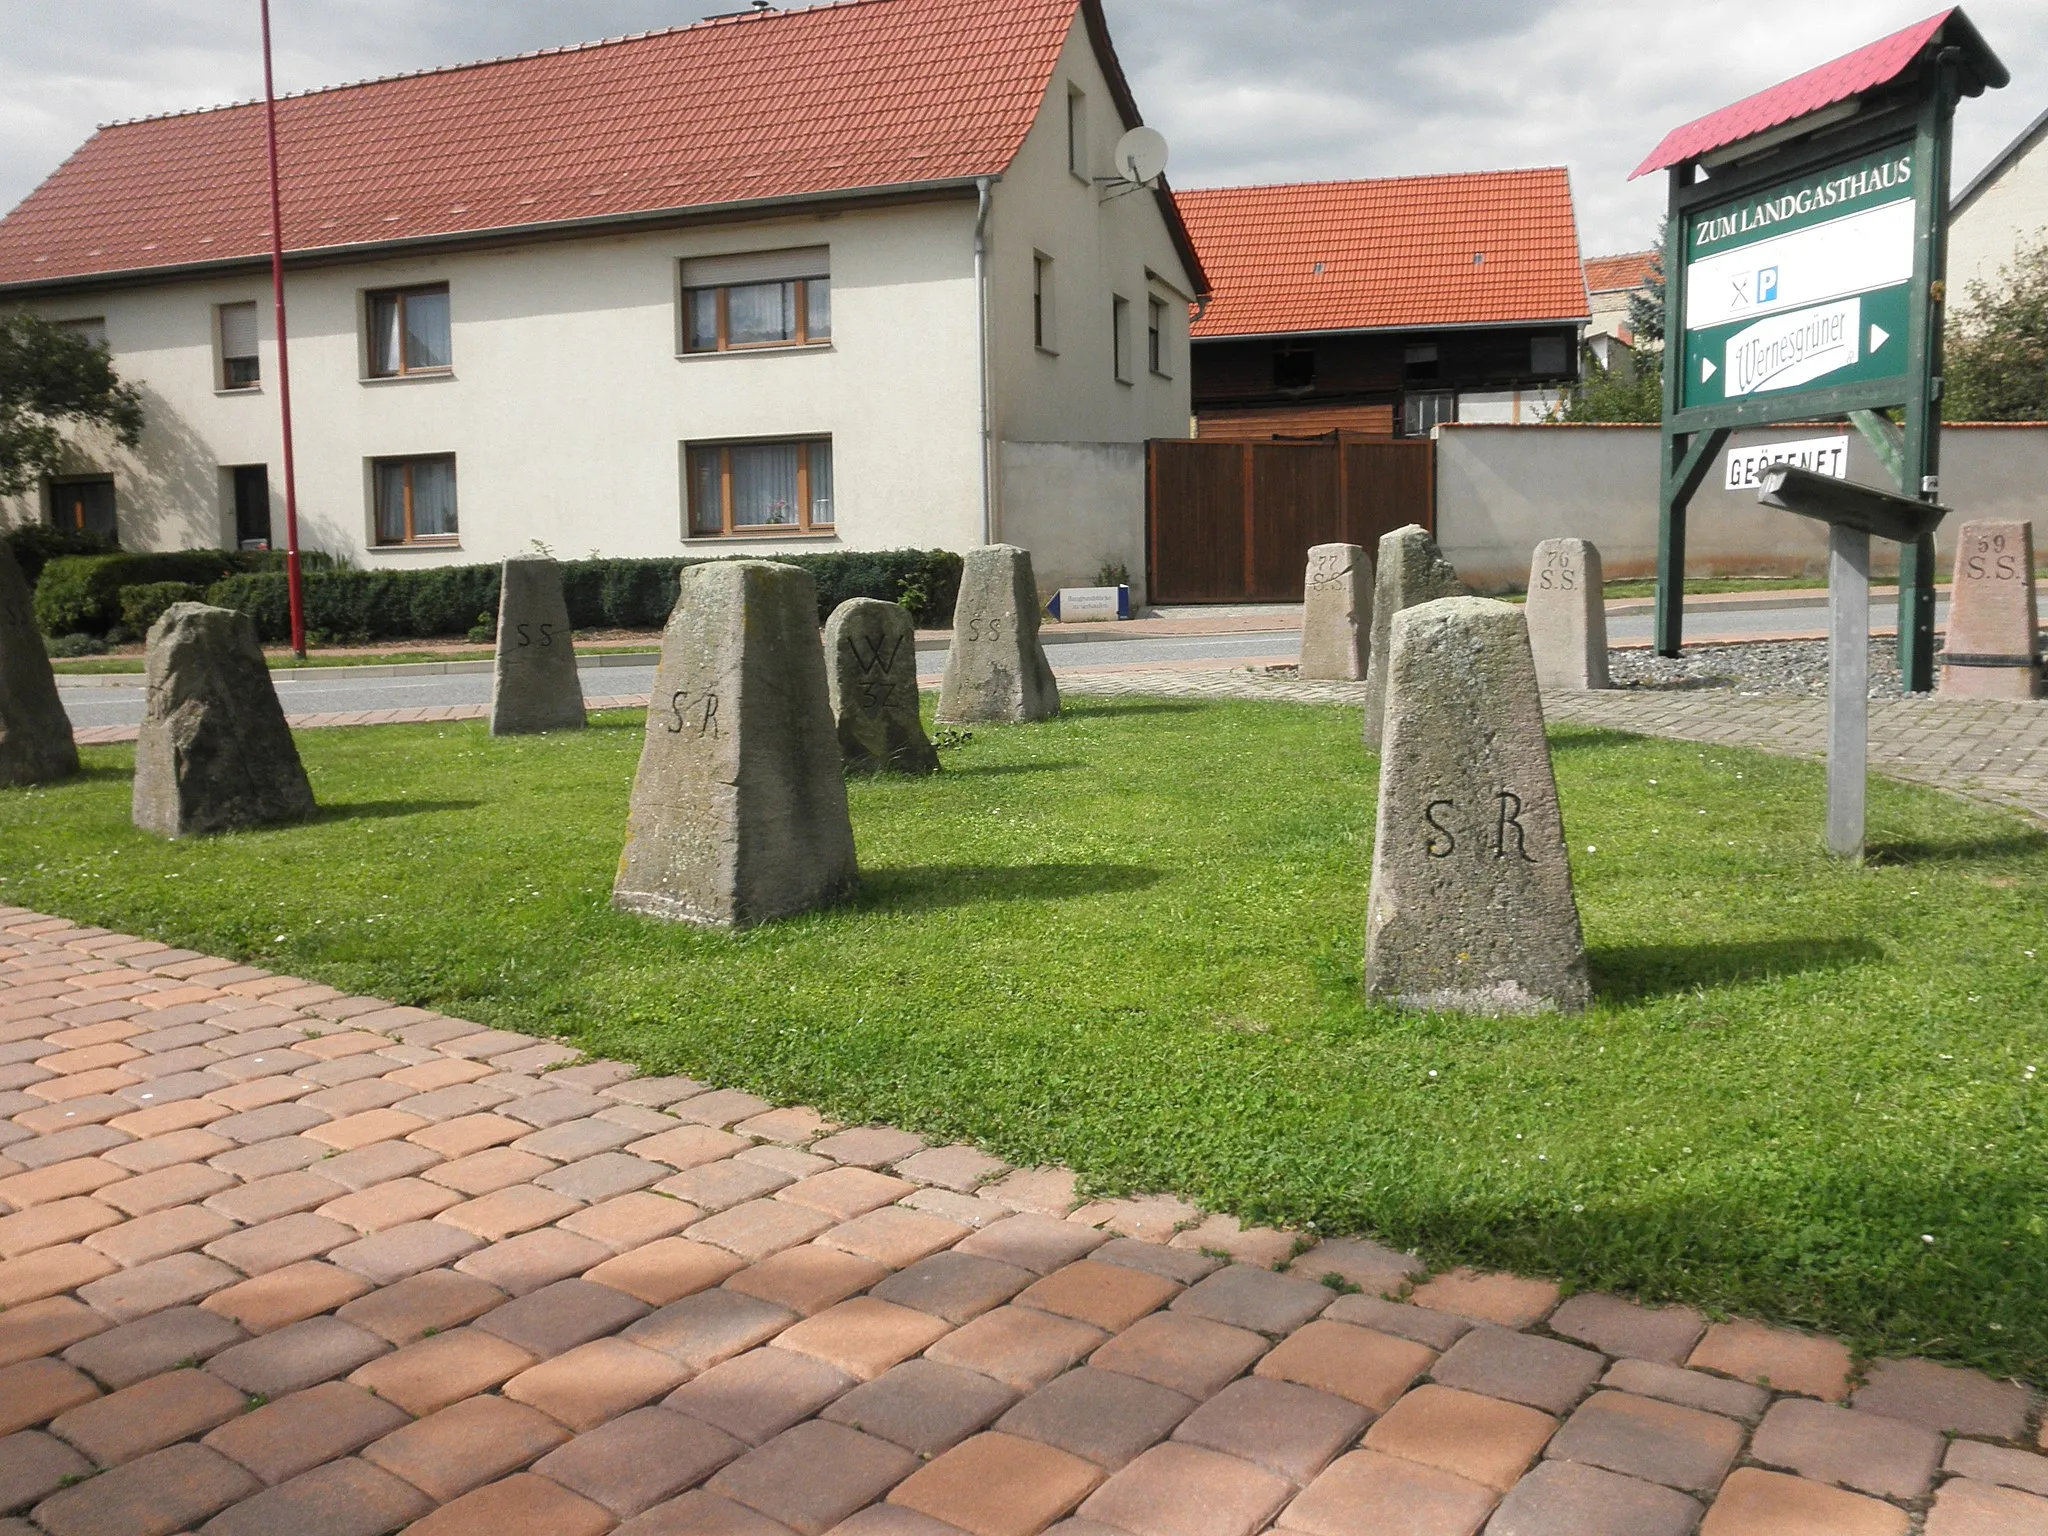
(1798, 348)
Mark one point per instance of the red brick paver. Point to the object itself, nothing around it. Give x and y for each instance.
(326, 1266)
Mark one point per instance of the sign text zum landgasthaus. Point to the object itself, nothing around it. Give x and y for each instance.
(1843, 189)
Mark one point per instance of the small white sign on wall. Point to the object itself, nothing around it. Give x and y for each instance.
(1823, 455)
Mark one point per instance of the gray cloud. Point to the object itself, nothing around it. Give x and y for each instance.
(1247, 90)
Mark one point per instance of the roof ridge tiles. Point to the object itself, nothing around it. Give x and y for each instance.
(1372, 181)
(730, 18)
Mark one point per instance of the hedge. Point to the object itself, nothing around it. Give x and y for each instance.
(35, 545)
(601, 594)
(81, 594)
(142, 606)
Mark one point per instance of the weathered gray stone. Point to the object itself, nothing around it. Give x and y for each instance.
(215, 754)
(1410, 570)
(871, 665)
(534, 684)
(1472, 908)
(996, 669)
(1993, 646)
(1336, 616)
(739, 809)
(35, 733)
(1567, 611)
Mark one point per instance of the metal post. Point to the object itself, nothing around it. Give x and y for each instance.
(294, 583)
(1848, 687)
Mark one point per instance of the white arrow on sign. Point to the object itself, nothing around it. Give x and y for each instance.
(1878, 337)
(1707, 369)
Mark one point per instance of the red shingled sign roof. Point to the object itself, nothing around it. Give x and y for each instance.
(1388, 255)
(1612, 274)
(1877, 64)
(861, 95)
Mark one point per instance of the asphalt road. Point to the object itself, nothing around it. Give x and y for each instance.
(105, 702)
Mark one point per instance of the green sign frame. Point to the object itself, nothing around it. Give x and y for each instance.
(1842, 239)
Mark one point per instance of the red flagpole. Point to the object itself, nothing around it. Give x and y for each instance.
(293, 582)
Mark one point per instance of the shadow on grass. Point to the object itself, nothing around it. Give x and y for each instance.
(1582, 738)
(385, 810)
(935, 887)
(1087, 706)
(1006, 770)
(1994, 845)
(1635, 972)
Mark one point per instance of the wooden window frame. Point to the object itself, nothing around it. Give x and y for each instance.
(803, 337)
(411, 540)
(1078, 159)
(401, 370)
(803, 527)
(1155, 336)
(1044, 303)
(1120, 339)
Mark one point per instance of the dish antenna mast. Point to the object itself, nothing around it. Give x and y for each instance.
(1140, 160)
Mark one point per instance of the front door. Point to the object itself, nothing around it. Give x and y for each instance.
(85, 506)
(252, 506)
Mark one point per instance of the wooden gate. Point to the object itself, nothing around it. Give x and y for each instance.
(1234, 522)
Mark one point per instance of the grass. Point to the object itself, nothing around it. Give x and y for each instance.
(1130, 940)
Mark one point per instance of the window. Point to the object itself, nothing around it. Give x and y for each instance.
(760, 489)
(1427, 409)
(1549, 356)
(1155, 335)
(415, 500)
(240, 367)
(1041, 302)
(1120, 326)
(1420, 363)
(768, 299)
(409, 332)
(92, 330)
(85, 505)
(1077, 131)
(1294, 369)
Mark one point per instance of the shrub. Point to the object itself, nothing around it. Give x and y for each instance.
(601, 594)
(35, 545)
(142, 606)
(81, 594)
(76, 645)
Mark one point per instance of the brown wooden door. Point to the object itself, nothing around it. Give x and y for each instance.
(1295, 506)
(1198, 498)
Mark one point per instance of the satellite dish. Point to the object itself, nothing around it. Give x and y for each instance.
(1141, 156)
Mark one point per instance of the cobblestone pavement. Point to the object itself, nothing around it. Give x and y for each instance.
(279, 1262)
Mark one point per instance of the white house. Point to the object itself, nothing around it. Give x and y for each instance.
(2003, 208)
(860, 276)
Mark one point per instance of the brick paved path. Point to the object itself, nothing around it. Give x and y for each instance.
(275, 1260)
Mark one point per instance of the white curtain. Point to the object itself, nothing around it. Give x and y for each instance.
(433, 499)
(764, 485)
(760, 312)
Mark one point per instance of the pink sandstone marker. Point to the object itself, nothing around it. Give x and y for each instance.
(1993, 649)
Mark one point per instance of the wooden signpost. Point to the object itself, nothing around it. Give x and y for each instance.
(1805, 263)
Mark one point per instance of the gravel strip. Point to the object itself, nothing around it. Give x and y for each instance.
(1777, 667)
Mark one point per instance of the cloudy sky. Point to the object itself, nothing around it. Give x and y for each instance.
(1247, 90)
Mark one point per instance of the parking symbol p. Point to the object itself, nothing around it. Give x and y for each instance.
(1767, 285)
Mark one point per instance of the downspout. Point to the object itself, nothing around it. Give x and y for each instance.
(983, 185)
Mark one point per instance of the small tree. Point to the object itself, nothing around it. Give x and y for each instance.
(1631, 392)
(1646, 304)
(1996, 366)
(50, 378)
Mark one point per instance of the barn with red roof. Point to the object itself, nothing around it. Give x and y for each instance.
(862, 275)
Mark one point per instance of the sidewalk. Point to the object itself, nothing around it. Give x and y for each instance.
(280, 1262)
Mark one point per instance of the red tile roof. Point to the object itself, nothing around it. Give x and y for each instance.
(1616, 274)
(855, 96)
(1868, 68)
(1388, 255)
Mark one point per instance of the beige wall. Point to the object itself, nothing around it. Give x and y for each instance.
(1076, 507)
(569, 404)
(1501, 490)
(2008, 210)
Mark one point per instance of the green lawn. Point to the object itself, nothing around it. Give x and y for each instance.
(1131, 940)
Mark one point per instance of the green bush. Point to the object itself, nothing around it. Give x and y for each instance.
(35, 545)
(601, 594)
(142, 606)
(76, 645)
(81, 594)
